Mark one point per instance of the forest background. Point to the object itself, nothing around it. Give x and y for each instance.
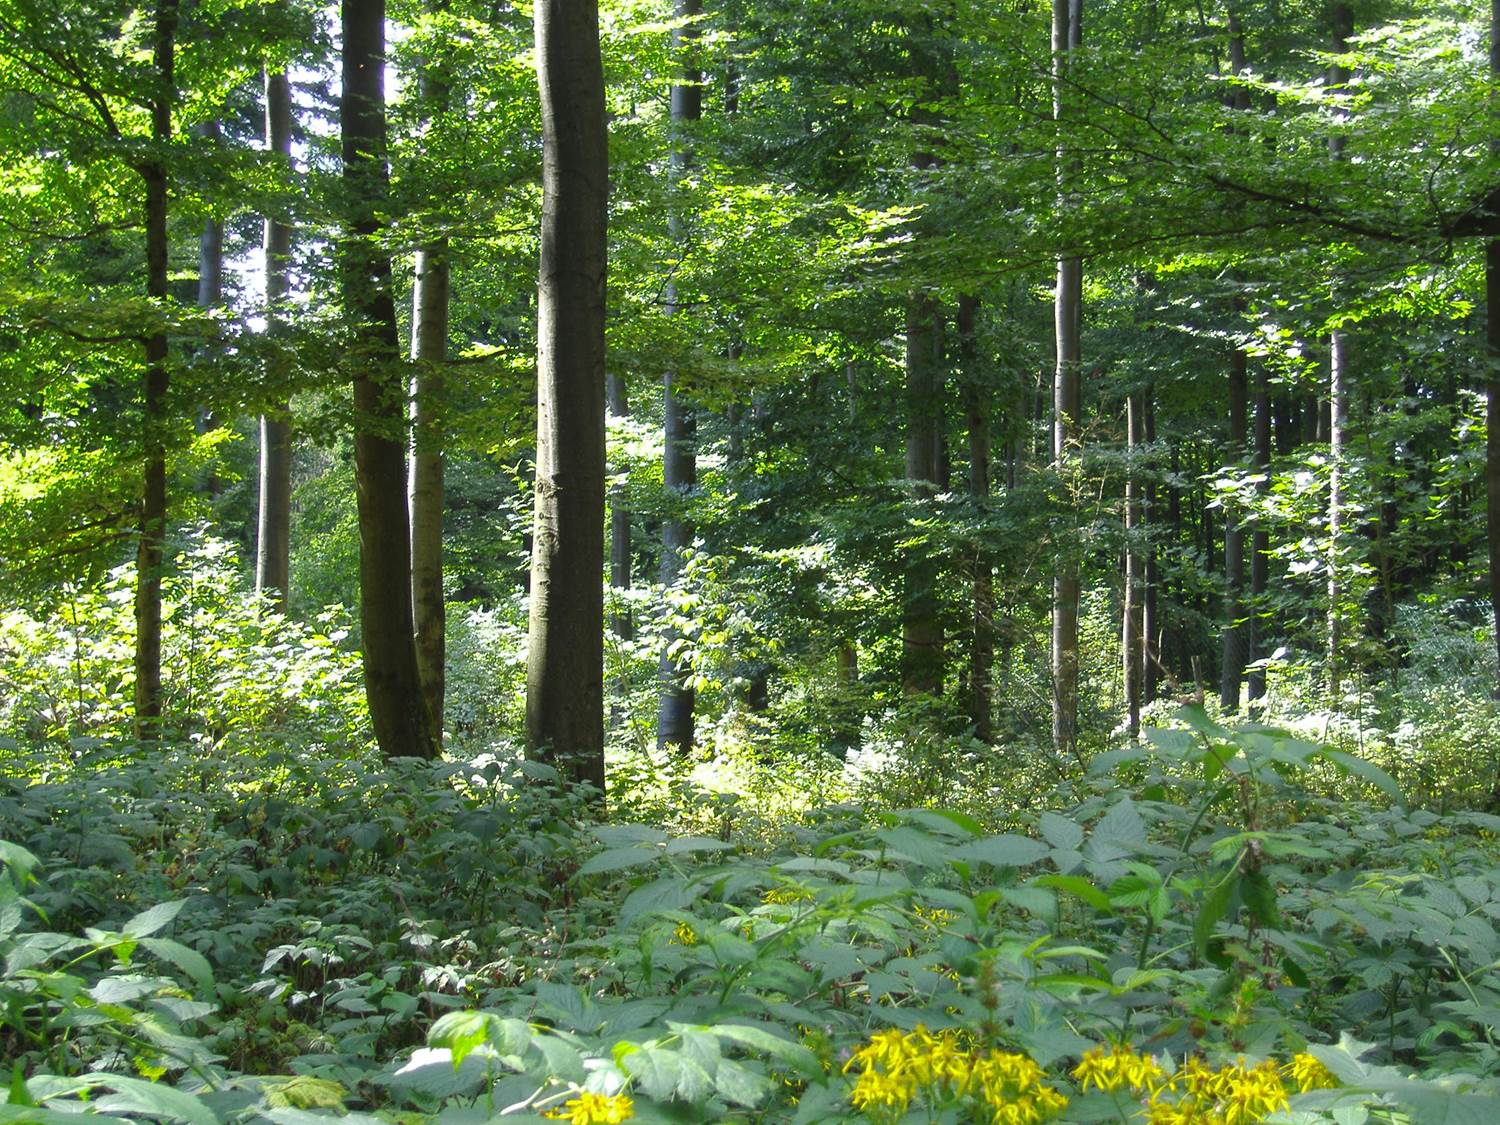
(971, 385)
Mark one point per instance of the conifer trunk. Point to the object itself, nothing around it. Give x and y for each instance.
(1132, 631)
(921, 626)
(1338, 410)
(1236, 636)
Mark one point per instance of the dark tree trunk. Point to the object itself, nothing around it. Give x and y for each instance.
(210, 296)
(617, 395)
(153, 524)
(393, 686)
(921, 626)
(982, 587)
(1132, 630)
(425, 483)
(674, 718)
(1236, 635)
(273, 526)
(1260, 543)
(1066, 403)
(1151, 639)
(565, 658)
(1338, 410)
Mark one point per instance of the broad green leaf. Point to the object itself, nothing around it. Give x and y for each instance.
(1006, 850)
(149, 921)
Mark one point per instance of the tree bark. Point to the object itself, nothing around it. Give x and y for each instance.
(674, 717)
(210, 296)
(274, 519)
(1151, 639)
(1132, 632)
(1260, 541)
(425, 485)
(1492, 378)
(153, 522)
(921, 626)
(565, 657)
(1338, 408)
(393, 686)
(1066, 401)
(982, 587)
(1236, 636)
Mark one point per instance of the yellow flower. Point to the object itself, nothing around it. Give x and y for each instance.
(934, 918)
(786, 895)
(876, 1088)
(1309, 1074)
(1116, 1068)
(684, 935)
(1233, 1094)
(589, 1108)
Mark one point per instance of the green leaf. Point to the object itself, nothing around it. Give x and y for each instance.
(1211, 913)
(1348, 764)
(1060, 832)
(618, 859)
(1078, 887)
(782, 1050)
(190, 961)
(741, 1085)
(1007, 850)
(149, 921)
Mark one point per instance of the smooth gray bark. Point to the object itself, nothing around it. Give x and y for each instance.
(921, 626)
(982, 580)
(1066, 401)
(273, 539)
(393, 687)
(565, 654)
(676, 700)
(1132, 635)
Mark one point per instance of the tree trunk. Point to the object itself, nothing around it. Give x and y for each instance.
(210, 295)
(1132, 646)
(1338, 408)
(153, 524)
(674, 720)
(273, 525)
(1260, 543)
(921, 626)
(393, 687)
(565, 657)
(429, 350)
(1236, 635)
(1066, 401)
(982, 589)
(617, 394)
(425, 485)
(1151, 639)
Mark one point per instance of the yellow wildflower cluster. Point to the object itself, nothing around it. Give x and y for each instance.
(895, 1066)
(589, 1108)
(786, 895)
(1197, 1094)
(935, 918)
(684, 935)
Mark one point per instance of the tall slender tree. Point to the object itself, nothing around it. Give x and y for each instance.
(565, 657)
(982, 580)
(674, 720)
(425, 485)
(1067, 16)
(1338, 403)
(153, 521)
(393, 686)
(273, 539)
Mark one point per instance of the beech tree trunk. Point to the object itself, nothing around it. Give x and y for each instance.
(153, 523)
(1260, 542)
(1151, 637)
(425, 489)
(1338, 409)
(1236, 634)
(921, 626)
(1066, 402)
(565, 656)
(982, 587)
(393, 686)
(210, 295)
(1492, 379)
(274, 522)
(1132, 644)
(674, 717)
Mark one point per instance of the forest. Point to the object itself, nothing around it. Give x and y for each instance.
(728, 561)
